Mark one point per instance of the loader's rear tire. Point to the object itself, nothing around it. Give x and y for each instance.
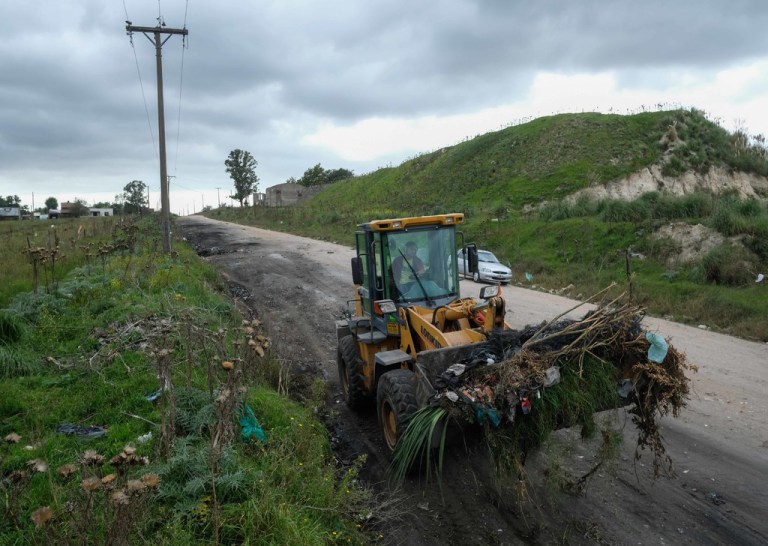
(351, 374)
(476, 276)
(395, 403)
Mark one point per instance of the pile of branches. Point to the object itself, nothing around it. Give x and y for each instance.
(523, 384)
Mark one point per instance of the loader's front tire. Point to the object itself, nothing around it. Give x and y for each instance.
(351, 374)
(395, 403)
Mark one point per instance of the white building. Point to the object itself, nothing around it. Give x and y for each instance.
(101, 212)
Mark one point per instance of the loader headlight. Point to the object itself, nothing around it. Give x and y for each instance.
(488, 292)
(384, 307)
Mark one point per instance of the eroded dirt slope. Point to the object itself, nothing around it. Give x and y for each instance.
(300, 286)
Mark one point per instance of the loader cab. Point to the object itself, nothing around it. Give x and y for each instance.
(408, 261)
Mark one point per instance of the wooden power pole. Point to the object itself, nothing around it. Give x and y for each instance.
(165, 202)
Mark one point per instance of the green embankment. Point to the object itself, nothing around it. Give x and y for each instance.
(511, 185)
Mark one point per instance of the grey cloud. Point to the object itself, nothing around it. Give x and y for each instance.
(259, 75)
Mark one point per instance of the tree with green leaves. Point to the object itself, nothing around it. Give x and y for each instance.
(314, 176)
(241, 167)
(51, 203)
(10, 201)
(135, 197)
(317, 176)
(334, 175)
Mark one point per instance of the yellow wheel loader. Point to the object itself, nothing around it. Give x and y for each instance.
(410, 322)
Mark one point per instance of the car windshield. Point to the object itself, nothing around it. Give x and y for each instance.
(485, 256)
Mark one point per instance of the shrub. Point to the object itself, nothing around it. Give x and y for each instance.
(728, 265)
(11, 328)
(758, 245)
(660, 248)
(14, 363)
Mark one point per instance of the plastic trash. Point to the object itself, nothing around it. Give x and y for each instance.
(528, 277)
(625, 388)
(657, 352)
(481, 412)
(251, 427)
(456, 369)
(760, 278)
(552, 376)
(144, 438)
(716, 499)
(85, 433)
(452, 396)
(154, 396)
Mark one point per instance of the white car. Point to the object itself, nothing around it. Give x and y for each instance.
(490, 269)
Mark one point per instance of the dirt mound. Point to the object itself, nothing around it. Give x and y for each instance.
(716, 181)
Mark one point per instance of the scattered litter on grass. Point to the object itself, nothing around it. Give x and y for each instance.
(154, 396)
(251, 428)
(81, 431)
(144, 438)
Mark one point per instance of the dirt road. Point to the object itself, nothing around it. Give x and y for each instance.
(719, 444)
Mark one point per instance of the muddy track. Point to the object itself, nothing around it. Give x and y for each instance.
(299, 287)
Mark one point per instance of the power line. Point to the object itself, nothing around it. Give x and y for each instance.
(181, 87)
(141, 82)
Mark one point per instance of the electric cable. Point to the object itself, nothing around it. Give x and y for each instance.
(181, 87)
(141, 84)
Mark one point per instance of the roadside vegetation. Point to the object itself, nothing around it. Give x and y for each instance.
(512, 186)
(138, 405)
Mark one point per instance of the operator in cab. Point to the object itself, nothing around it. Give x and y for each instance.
(406, 267)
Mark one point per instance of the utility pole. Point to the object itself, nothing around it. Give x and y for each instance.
(218, 196)
(165, 213)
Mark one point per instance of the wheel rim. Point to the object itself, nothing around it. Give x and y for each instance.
(389, 424)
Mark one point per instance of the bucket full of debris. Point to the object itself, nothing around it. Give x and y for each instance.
(521, 385)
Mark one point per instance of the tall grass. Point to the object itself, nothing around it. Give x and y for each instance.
(117, 334)
(49, 248)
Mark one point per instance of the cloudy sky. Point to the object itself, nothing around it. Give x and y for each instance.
(354, 84)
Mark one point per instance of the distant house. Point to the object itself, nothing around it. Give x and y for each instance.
(101, 212)
(68, 210)
(10, 213)
(289, 193)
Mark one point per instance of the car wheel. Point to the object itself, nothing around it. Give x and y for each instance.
(476, 276)
(351, 374)
(395, 403)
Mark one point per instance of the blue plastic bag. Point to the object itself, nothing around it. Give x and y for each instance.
(251, 427)
(657, 352)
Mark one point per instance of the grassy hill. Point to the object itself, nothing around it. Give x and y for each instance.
(511, 185)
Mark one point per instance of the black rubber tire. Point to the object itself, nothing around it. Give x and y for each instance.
(476, 276)
(395, 402)
(351, 374)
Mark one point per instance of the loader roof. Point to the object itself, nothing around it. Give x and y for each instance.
(399, 224)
